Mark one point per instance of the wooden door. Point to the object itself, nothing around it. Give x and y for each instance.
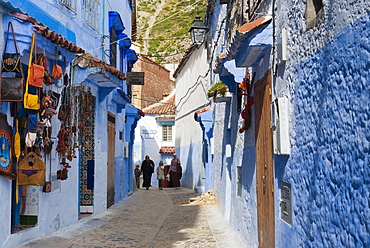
(264, 164)
(111, 155)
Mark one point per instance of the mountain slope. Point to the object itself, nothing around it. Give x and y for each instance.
(163, 27)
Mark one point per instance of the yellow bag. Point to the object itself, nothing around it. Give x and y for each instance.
(31, 170)
(31, 101)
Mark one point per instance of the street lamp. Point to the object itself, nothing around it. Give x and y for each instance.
(198, 31)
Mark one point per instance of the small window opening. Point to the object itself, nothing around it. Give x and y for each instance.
(314, 11)
(166, 133)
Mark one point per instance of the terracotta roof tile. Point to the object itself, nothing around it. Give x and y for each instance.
(166, 106)
(166, 117)
(50, 35)
(68, 45)
(95, 62)
(167, 149)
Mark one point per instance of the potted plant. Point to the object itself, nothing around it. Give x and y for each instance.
(218, 88)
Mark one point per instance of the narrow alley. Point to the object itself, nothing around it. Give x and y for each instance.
(150, 218)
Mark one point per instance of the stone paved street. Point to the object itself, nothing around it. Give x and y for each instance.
(150, 218)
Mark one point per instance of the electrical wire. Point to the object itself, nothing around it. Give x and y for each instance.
(183, 38)
(107, 36)
(161, 56)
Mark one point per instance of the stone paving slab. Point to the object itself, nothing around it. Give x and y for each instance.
(149, 218)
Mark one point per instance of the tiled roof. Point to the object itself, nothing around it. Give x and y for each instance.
(166, 117)
(95, 62)
(50, 35)
(251, 42)
(167, 149)
(166, 106)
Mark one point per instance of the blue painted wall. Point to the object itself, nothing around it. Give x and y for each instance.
(329, 164)
(45, 17)
(55, 213)
(191, 161)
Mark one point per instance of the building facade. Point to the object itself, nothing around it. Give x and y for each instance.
(155, 134)
(83, 119)
(286, 150)
(157, 83)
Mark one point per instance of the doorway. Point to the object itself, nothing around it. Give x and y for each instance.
(264, 163)
(111, 156)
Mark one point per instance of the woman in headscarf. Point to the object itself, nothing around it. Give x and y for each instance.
(175, 171)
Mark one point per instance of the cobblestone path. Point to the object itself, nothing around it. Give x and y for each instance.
(149, 218)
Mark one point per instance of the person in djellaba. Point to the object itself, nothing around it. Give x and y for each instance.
(175, 171)
(147, 169)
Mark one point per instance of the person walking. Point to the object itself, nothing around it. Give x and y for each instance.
(147, 169)
(175, 171)
(160, 174)
(137, 175)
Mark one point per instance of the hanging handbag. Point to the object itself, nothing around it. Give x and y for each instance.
(32, 123)
(11, 89)
(48, 80)
(11, 86)
(31, 170)
(55, 99)
(36, 76)
(31, 101)
(11, 61)
(57, 71)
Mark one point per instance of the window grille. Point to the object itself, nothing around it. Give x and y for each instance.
(166, 133)
(70, 4)
(92, 12)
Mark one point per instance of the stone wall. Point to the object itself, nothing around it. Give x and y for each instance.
(327, 79)
(157, 83)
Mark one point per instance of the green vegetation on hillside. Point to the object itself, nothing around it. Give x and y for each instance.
(173, 21)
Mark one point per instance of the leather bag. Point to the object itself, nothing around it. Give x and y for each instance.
(57, 72)
(11, 61)
(37, 70)
(11, 87)
(31, 170)
(36, 77)
(31, 101)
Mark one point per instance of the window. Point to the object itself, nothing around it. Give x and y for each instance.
(166, 133)
(70, 4)
(314, 11)
(91, 12)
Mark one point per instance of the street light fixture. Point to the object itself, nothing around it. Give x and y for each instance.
(198, 31)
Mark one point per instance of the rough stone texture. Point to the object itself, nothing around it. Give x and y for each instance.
(327, 79)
